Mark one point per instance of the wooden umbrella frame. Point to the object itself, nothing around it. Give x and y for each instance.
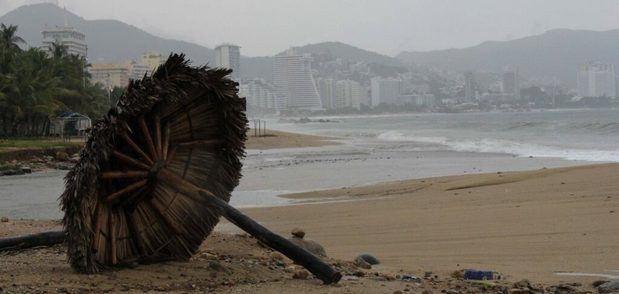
(150, 168)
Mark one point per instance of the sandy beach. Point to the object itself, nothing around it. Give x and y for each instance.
(278, 139)
(525, 225)
(529, 224)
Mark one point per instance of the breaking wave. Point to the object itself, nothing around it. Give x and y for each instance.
(488, 145)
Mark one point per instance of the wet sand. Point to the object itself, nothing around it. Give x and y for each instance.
(524, 224)
(278, 139)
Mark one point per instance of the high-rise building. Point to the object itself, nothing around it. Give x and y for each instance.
(109, 75)
(152, 59)
(469, 87)
(511, 84)
(326, 89)
(229, 56)
(138, 70)
(385, 91)
(292, 76)
(73, 40)
(348, 94)
(261, 94)
(597, 79)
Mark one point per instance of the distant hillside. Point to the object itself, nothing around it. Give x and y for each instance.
(556, 53)
(115, 41)
(108, 40)
(345, 51)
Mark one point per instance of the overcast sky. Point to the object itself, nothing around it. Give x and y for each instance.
(265, 27)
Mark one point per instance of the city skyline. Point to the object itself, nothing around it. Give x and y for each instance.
(388, 29)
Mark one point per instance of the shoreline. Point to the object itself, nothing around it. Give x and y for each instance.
(525, 225)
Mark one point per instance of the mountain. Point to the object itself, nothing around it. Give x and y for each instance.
(115, 41)
(108, 40)
(345, 51)
(554, 54)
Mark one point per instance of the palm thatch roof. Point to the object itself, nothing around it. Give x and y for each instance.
(188, 120)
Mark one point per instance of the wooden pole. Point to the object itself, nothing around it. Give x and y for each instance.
(34, 240)
(315, 265)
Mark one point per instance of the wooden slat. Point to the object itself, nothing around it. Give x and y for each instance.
(166, 141)
(124, 174)
(128, 159)
(112, 237)
(137, 148)
(200, 143)
(158, 141)
(171, 154)
(162, 214)
(147, 136)
(134, 230)
(98, 225)
(126, 190)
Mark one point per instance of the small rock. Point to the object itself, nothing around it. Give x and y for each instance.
(409, 278)
(4, 219)
(369, 259)
(518, 291)
(522, 284)
(277, 256)
(26, 169)
(298, 232)
(216, 266)
(427, 275)
(609, 287)
(360, 262)
(426, 292)
(300, 275)
(309, 245)
(62, 156)
(397, 292)
(597, 283)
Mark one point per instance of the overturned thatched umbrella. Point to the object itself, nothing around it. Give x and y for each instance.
(156, 174)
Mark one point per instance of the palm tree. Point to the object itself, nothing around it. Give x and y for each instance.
(9, 38)
(9, 45)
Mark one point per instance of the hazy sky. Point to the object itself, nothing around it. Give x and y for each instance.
(265, 27)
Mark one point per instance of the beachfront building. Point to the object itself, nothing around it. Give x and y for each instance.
(137, 70)
(384, 91)
(418, 100)
(596, 79)
(470, 94)
(229, 56)
(292, 77)
(511, 84)
(110, 75)
(152, 59)
(326, 89)
(73, 40)
(260, 94)
(348, 94)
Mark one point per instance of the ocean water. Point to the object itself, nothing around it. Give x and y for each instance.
(586, 135)
(383, 148)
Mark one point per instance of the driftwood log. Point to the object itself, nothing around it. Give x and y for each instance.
(34, 240)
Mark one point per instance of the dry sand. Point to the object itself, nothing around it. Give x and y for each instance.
(523, 224)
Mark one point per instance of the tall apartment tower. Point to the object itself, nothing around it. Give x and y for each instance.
(469, 87)
(292, 76)
(385, 91)
(229, 56)
(73, 40)
(511, 84)
(596, 79)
